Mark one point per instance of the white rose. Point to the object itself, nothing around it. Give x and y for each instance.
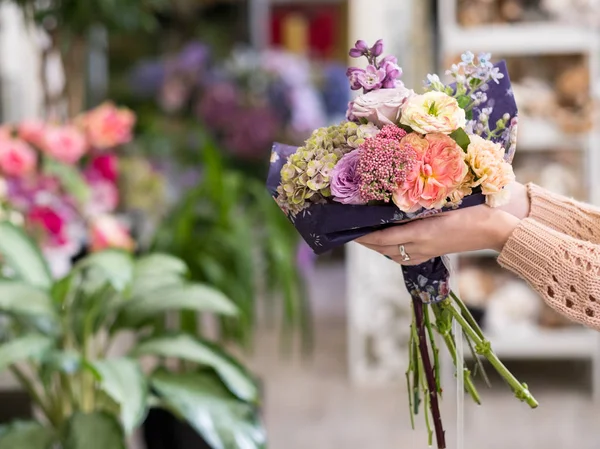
(433, 112)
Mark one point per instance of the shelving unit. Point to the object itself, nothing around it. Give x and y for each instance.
(529, 40)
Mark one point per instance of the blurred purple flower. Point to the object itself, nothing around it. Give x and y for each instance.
(146, 78)
(305, 259)
(217, 105)
(335, 91)
(193, 57)
(251, 132)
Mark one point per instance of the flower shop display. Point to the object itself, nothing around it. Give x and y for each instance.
(403, 156)
(56, 339)
(60, 181)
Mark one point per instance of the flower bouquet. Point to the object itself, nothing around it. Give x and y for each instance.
(401, 156)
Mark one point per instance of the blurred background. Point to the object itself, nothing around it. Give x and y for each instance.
(212, 84)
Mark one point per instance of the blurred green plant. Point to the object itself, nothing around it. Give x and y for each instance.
(232, 235)
(57, 336)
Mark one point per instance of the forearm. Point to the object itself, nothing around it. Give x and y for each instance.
(565, 215)
(563, 270)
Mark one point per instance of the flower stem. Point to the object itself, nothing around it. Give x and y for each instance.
(35, 395)
(429, 373)
(483, 347)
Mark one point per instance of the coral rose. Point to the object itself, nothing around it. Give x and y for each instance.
(492, 172)
(108, 232)
(439, 169)
(433, 112)
(108, 126)
(32, 132)
(17, 158)
(380, 107)
(65, 143)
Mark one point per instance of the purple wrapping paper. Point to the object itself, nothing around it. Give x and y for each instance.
(327, 226)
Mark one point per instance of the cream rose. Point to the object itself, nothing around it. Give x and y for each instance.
(492, 172)
(381, 107)
(433, 112)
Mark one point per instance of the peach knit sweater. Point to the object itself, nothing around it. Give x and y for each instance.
(557, 250)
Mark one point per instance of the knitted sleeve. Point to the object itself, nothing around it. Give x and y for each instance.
(565, 215)
(564, 270)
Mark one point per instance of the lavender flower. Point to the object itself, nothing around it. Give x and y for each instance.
(345, 180)
(377, 48)
(360, 49)
(372, 78)
(352, 73)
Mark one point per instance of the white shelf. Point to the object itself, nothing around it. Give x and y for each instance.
(542, 135)
(545, 344)
(518, 39)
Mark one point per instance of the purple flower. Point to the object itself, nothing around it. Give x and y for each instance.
(392, 73)
(360, 49)
(352, 73)
(377, 48)
(372, 78)
(345, 180)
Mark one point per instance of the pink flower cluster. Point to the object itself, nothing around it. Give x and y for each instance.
(384, 164)
(60, 214)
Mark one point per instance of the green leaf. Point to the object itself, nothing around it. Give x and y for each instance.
(192, 296)
(94, 431)
(70, 178)
(159, 264)
(186, 347)
(26, 435)
(22, 299)
(123, 380)
(223, 420)
(116, 266)
(23, 348)
(464, 101)
(461, 138)
(23, 256)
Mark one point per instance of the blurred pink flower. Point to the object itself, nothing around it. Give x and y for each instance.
(107, 166)
(104, 198)
(439, 169)
(65, 143)
(49, 221)
(108, 126)
(17, 158)
(32, 132)
(107, 232)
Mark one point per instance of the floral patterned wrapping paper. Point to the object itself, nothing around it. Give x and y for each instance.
(328, 226)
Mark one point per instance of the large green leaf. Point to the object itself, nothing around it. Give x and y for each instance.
(159, 264)
(124, 381)
(186, 347)
(23, 348)
(224, 421)
(23, 299)
(115, 266)
(94, 431)
(26, 435)
(191, 296)
(23, 256)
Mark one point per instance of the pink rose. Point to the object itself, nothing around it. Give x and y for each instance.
(104, 198)
(106, 165)
(32, 132)
(439, 169)
(108, 126)
(17, 158)
(49, 221)
(380, 107)
(65, 143)
(107, 232)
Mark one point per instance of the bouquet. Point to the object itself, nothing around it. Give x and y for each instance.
(60, 181)
(402, 156)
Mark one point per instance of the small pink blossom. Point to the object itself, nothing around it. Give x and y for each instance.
(440, 168)
(106, 166)
(65, 143)
(32, 132)
(107, 232)
(17, 158)
(104, 198)
(108, 126)
(49, 221)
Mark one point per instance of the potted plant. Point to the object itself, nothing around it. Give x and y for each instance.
(56, 339)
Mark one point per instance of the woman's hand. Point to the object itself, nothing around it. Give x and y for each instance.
(468, 229)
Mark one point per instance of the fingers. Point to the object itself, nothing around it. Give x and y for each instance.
(393, 250)
(393, 236)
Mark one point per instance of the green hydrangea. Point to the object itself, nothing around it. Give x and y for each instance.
(306, 176)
